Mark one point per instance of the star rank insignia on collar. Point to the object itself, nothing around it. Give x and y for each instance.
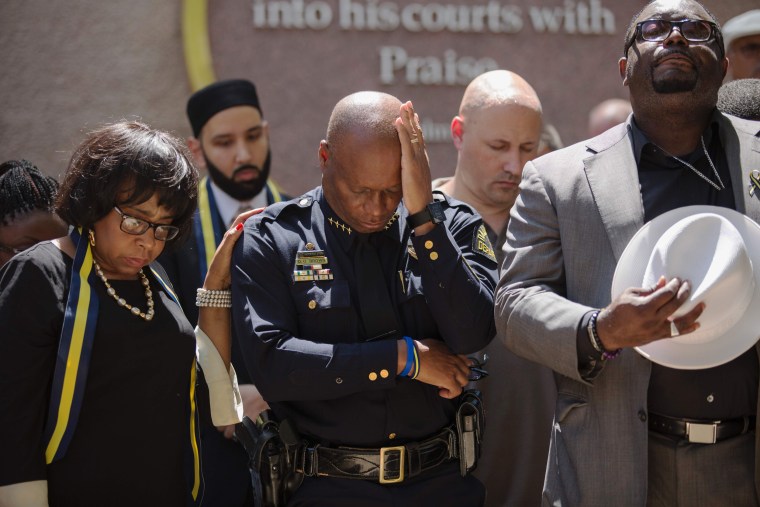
(391, 221)
(339, 225)
(347, 229)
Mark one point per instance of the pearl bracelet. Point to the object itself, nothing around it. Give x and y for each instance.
(213, 298)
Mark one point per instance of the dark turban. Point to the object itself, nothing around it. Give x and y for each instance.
(219, 96)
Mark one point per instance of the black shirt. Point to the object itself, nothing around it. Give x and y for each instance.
(728, 390)
(132, 438)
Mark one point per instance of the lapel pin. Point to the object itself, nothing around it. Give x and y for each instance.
(754, 185)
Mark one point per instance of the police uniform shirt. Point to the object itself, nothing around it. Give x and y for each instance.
(296, 315)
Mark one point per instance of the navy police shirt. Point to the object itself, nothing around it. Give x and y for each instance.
(296, 316)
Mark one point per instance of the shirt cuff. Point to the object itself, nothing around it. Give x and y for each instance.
(225, 401)
(24, 494)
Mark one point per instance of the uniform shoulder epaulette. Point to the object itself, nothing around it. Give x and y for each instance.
(279, 210)
(438, 195)
(452, 203)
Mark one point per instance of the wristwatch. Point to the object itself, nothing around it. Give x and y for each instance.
(433, 212)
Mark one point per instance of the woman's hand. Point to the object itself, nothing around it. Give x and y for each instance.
(214, 321)
(218, 275)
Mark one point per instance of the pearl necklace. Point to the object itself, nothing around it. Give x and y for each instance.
(715, 171)
(135, 310)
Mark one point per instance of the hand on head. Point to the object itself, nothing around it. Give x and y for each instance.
(415, 167)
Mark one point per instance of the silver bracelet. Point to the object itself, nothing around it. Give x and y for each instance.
(596, 342)
(213, 298)
(593, 336)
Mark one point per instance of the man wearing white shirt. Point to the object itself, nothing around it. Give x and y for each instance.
(231, 142)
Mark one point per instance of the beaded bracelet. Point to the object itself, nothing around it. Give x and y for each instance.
(593, 336)
(410, 349)
(213, 298)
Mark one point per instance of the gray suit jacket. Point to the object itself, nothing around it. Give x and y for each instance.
(577, 210)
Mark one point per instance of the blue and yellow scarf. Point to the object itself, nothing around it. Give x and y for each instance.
(208, 226)
(73, 361)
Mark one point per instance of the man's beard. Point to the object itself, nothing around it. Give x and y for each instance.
(678, 83)
(685, 84)
(240, 190)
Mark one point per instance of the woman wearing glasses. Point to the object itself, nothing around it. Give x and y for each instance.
(97, 360)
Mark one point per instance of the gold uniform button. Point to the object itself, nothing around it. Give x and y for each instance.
(373, 376)
(312, 304)
(428, 244)
(310, 246)
(384, 373)
(392, 436)
(433, 256)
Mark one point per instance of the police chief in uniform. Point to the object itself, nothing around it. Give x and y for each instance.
(354, 313)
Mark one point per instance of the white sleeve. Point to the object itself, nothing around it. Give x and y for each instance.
(24, 494)
(223, 392)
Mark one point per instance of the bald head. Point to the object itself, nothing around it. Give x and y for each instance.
(497, 131)
(607, 114)
(363, 117)
(361, 160)
(495, 88)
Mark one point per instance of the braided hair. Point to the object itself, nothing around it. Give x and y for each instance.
(23, 188)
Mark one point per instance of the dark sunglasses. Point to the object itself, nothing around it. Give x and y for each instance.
(136, 226)
(476, 368)
(657, 30)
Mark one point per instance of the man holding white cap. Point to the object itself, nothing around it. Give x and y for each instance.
(742, 38)
(635, 426)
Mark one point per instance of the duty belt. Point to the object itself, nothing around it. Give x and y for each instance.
(701, 432)
(386, 465)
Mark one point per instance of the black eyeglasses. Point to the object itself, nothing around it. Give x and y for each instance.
(657, 30)
(476, 368)
(137, 226)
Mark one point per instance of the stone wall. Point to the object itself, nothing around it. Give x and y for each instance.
(70, 66)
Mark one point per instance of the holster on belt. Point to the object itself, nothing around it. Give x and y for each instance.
(470, 424)
(268, 443)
